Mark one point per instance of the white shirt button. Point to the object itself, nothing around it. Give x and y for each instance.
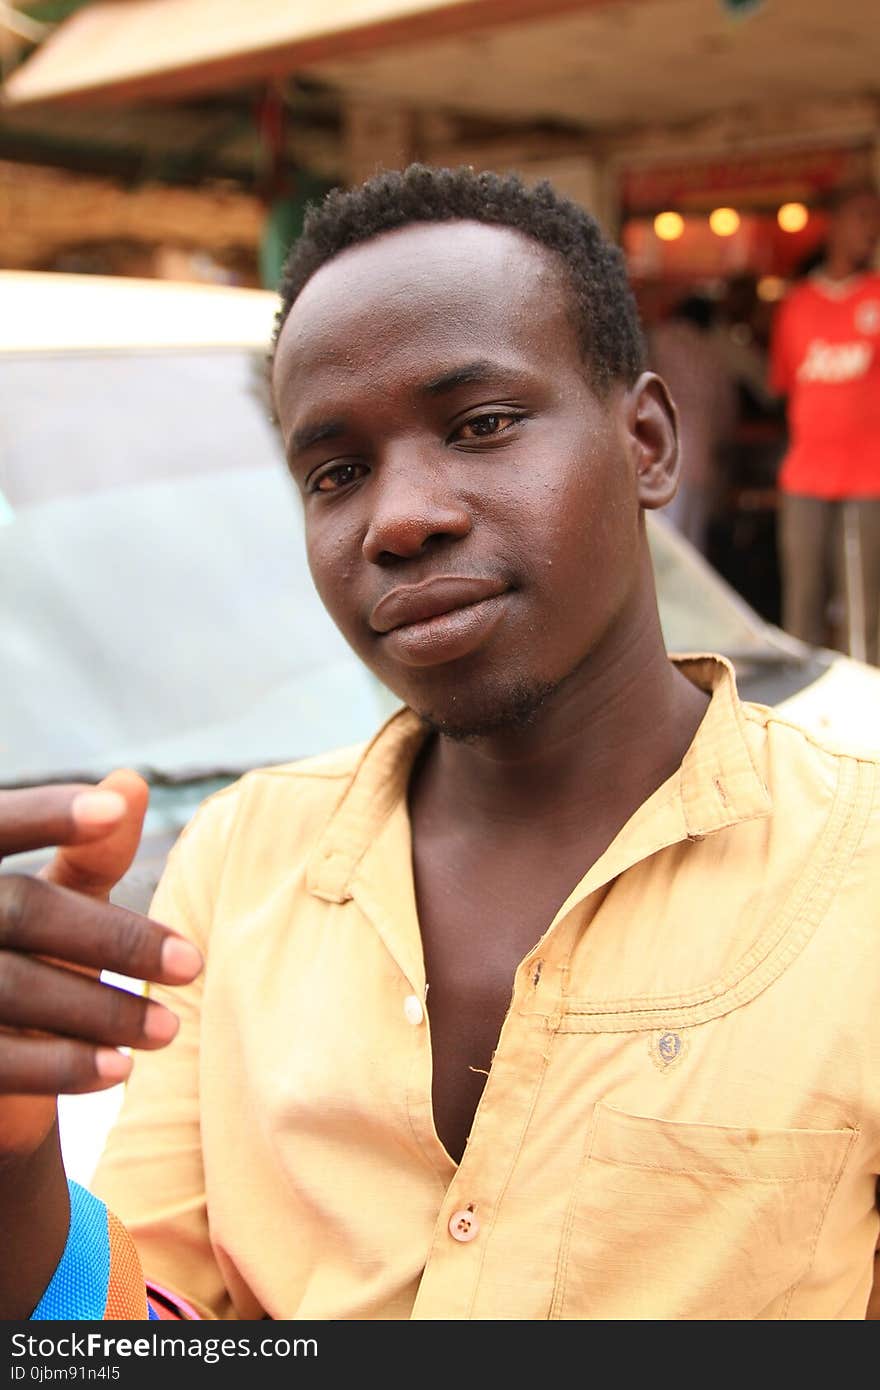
(463, 1225)
(413, 1009)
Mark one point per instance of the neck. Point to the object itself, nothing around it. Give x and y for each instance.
(839, 266)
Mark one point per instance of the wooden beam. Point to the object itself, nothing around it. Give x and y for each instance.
(146, 49)
(43, 211)
(846, 118)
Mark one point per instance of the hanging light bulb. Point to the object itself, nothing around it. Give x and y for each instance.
(792, 217)
(724, 221)
(770, 288)
(669, 225)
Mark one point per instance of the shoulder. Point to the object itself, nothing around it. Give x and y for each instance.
(338, 763)
(247, 837)
(300, 790)
(298, 798)
(777, 725)
(801, 293)
(867, 295)
(259, 835)
(809, 773)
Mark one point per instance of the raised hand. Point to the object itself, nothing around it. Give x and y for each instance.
(60, 1026)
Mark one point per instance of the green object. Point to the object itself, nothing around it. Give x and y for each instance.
(52, 11)
(284, 224)
(738, 8)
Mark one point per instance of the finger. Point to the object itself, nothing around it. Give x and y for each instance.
(96, 866)
(37, 995)
(58, 1066)
(58, 813)
(40, 919)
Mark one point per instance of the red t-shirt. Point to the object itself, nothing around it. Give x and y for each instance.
(825, 357)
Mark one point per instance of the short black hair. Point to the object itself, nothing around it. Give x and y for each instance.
(697, 309)
(838, 196)
(603, 305)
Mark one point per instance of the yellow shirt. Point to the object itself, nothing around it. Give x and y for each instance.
(682, 1118)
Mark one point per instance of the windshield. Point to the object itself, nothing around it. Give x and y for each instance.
(157, 609)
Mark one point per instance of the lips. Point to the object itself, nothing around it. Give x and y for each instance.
(432, 598)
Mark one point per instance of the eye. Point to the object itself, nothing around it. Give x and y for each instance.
(487, 426)
(337, 477)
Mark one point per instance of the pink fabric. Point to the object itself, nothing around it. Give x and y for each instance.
(170, 1306)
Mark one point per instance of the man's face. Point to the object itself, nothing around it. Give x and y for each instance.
(855, 229)
(471, 505)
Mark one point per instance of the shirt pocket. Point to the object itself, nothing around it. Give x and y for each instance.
(672, 1220)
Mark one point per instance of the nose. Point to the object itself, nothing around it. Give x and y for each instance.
(414, 505)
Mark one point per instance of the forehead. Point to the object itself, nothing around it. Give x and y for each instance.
(861, 206)
(425, 292)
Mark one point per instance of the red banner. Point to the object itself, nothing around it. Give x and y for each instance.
(754, 179)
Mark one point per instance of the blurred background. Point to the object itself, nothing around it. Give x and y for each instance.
(182, 140)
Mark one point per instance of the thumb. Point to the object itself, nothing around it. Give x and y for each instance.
(95, 867)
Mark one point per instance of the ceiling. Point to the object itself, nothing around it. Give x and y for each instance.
(633, 62)
(596, 64)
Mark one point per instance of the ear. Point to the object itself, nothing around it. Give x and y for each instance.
(652, 424)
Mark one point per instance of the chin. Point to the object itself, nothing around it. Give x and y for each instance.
(510, 710)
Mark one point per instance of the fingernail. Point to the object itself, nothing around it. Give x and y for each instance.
(97, 808)
(160, 1025)
(180, 958)
(112, 1066)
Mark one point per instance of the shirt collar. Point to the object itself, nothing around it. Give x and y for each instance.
(837, 289)
(718, 782)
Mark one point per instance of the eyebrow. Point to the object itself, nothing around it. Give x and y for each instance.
(304, 438)
(467, 375)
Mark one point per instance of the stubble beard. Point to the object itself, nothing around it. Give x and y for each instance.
(516, 709)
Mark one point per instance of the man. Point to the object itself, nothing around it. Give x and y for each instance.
(685, 352)
(825, 359)
(539, 1005)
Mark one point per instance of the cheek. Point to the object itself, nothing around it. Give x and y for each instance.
(589, 519)
(331, 561)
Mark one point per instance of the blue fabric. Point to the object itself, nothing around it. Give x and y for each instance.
(78, 1288)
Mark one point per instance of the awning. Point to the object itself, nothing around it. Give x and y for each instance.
(127, 50)
(620, 69)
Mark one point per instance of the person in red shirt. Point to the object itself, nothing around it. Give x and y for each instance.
(825, 359)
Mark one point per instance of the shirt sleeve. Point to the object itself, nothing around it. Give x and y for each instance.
(151, 1174)
(99, 1275)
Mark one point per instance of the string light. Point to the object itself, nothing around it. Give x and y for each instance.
(792, 217)
(668, 225)
(724, 221)
(770, 288)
